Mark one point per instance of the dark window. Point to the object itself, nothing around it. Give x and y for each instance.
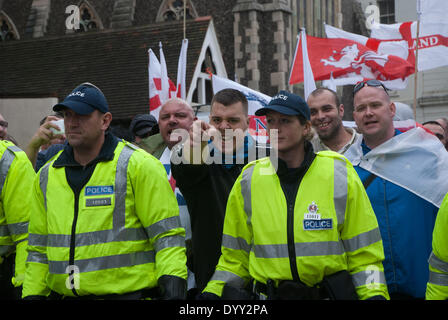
(88, 20)
(6, 30)
(387, 11)
(174, 10)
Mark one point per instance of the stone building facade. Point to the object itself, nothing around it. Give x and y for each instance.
(257, 38)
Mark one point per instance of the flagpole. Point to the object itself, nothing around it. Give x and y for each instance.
(419, 12)
(185, 19)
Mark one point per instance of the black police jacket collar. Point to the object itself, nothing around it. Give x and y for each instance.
(67, 159)
(291, 173)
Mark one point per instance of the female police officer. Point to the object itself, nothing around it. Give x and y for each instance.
(304, 231)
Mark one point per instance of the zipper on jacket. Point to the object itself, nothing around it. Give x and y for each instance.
(71, 261)
(291, 242)
(386, 215)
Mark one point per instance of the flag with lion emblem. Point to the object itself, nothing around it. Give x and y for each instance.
(346, 58)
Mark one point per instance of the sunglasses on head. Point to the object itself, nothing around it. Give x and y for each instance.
(440, 136)
(369, 83)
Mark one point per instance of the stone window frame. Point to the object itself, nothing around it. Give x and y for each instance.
(95, 18)
(12, 29)
(178, 12)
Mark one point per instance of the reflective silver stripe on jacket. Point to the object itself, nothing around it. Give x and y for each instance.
(437, 263)
(229, 278)
(362, 240)
(11, 228)
(34, 256)
(87, 238)
(5, 163)
(102, 263)
(369, 278)
(14, 149)
(121, 177)
(303, 249)
(246, 191)
(439, 279)
(435, 277)
(169, 242)
(340, 189)
(163, 226)
(235, 243)
(43, 182)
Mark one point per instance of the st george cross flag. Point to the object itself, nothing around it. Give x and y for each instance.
(396, 48)
(155, 85)
(432, 43)
(309, 83)
(256, 100)
(350, 59)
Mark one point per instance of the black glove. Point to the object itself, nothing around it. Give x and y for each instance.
(207, 296)
(172, 288)
(35, 298)
(232, 293)
(378, 297)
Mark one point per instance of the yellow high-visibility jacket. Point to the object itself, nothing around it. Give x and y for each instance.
(119, 235)
(16, 181)
(334, 229)
(437, 287)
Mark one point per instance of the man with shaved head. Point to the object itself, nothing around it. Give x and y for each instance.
(174, 114)
(406, 220)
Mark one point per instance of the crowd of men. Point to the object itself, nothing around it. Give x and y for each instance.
(197, 210)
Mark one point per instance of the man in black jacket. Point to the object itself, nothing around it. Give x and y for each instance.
(206, 182)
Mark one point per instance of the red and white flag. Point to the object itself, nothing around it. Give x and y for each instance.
(182, 71)
(156, 98)
(346, 58)
(432, 42)
(432, 11)
(397, 48)
(309, 83)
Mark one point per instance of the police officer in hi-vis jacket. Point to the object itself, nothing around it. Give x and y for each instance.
(304, 230)
(105, 222)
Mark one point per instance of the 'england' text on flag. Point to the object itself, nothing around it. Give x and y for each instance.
(432, 42)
